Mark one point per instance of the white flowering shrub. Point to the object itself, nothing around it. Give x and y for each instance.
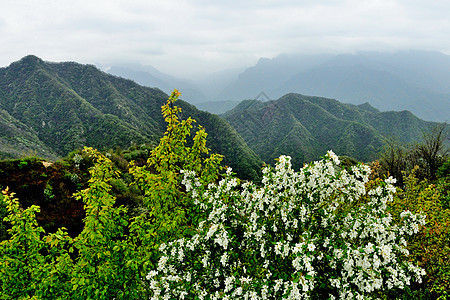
(317, 233)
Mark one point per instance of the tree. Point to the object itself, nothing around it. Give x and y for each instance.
(394, 159)
(160, 179)
(433, 150)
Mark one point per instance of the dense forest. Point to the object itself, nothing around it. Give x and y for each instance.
(305, 127)
(180, 204)
(51, 109)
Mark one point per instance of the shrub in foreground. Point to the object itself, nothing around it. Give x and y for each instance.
(431, 247)
(316, 233)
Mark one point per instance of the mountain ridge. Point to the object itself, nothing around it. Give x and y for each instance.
(68, 105)
(305, 127)
(151, 77)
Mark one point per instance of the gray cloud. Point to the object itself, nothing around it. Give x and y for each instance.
(188, 37)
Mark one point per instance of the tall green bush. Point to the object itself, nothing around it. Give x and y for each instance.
(3, 214)
(172, 211)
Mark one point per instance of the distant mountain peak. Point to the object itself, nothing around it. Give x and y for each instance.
(263, 60)
(366, 106)
(151, 77)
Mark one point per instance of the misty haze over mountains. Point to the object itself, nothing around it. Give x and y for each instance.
(418, 81)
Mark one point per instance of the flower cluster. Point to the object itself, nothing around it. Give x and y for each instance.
(314, 233)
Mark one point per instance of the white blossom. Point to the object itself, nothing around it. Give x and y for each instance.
(292, 221)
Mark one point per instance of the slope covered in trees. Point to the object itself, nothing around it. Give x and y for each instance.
(51, 109)
(304, 127)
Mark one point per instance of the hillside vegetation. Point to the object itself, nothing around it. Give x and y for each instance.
(305, 126)
(325, 231)
(51, 109)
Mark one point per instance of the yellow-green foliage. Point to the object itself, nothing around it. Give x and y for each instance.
(431, 247)
(97, 264)
(160, 179)
(3, 213)
(113, 253)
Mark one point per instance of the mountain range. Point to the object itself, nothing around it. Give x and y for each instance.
(418, 81)
(49, 109)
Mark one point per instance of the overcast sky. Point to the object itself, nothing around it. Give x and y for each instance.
(188, 38)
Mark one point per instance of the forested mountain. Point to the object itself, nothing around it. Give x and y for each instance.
(305, 127)
(16, 138)
(358, 83)
(50, 109)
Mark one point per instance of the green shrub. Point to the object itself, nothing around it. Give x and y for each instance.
(431, 247)
(113, 253)
(3, 214)
(444, 170)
